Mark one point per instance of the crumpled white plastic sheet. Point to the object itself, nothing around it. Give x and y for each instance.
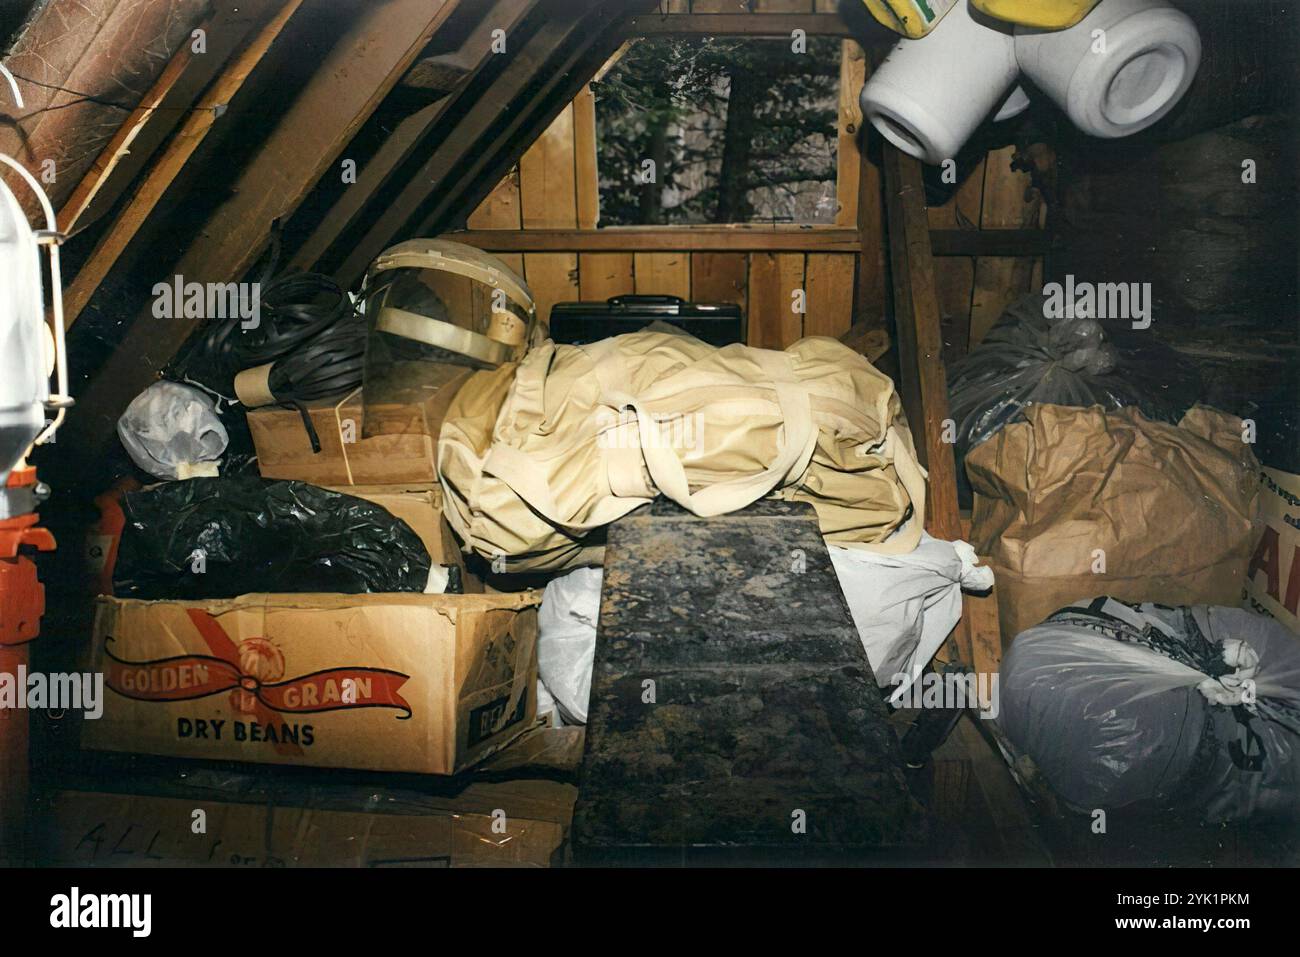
(171, 430)
(566, 640)
(905, 606)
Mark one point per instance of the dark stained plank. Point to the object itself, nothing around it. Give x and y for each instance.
(764, 712)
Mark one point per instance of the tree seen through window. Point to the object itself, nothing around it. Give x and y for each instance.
(735, 131)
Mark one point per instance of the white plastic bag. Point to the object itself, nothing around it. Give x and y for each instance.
(1186, 708)
(566, 640)
(172, 431)
(904, 606)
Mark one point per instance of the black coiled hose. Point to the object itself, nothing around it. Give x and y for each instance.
(307, 326)
(309, 331)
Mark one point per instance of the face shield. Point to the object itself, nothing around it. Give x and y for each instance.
(434, 308)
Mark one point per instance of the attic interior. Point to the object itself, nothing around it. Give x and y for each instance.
(581, 432)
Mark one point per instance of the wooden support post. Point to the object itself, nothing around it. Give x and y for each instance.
(923, 385)
(1009, 203)
(871, 292)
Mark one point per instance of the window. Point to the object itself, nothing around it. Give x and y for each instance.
(694, 130)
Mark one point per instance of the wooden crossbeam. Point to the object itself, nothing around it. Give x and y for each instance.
(357, 72)
(666, 239)
(756, 237)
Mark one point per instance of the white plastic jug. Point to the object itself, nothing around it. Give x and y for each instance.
(1119, 70)
(930, 95)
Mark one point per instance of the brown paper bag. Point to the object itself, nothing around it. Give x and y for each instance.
(1077, 503)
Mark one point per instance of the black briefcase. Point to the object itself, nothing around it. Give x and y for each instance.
(577, 323)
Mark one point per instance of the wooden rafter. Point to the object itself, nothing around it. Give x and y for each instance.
(82, 66)
(470, 59)
(360, 69)
(488, 139)
(168, 166)
(161, 110)
(553, 98)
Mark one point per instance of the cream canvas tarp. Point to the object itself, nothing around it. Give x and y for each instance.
(536, 458)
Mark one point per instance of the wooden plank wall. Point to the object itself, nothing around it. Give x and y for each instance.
(974, 291)
(555, 187)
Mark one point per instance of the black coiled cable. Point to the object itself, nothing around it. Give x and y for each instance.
(304, 313)
(309, 330)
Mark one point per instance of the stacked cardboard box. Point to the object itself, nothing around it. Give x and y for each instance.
(385, 453)
(430, 684)
(427, 683)
(1273, 579)
(179, 815)
(392, 443)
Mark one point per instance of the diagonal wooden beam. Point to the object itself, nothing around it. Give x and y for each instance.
(161, 110)
(82, 66)
(532, 74)
(160, 176)
(359, 69)
(480, 177)
(472, 56)
(923, 379)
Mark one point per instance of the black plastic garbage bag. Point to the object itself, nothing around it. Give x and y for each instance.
(1029, 359)
(1188, 709)
(223, 537)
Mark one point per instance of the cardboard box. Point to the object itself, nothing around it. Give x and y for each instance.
(505, 824)
(1273, 579)
(397, 682)
(420, 506)
(402, 447)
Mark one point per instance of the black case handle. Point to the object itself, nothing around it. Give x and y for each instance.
(637, 300)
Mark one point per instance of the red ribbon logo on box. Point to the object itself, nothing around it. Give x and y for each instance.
(251, 672)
